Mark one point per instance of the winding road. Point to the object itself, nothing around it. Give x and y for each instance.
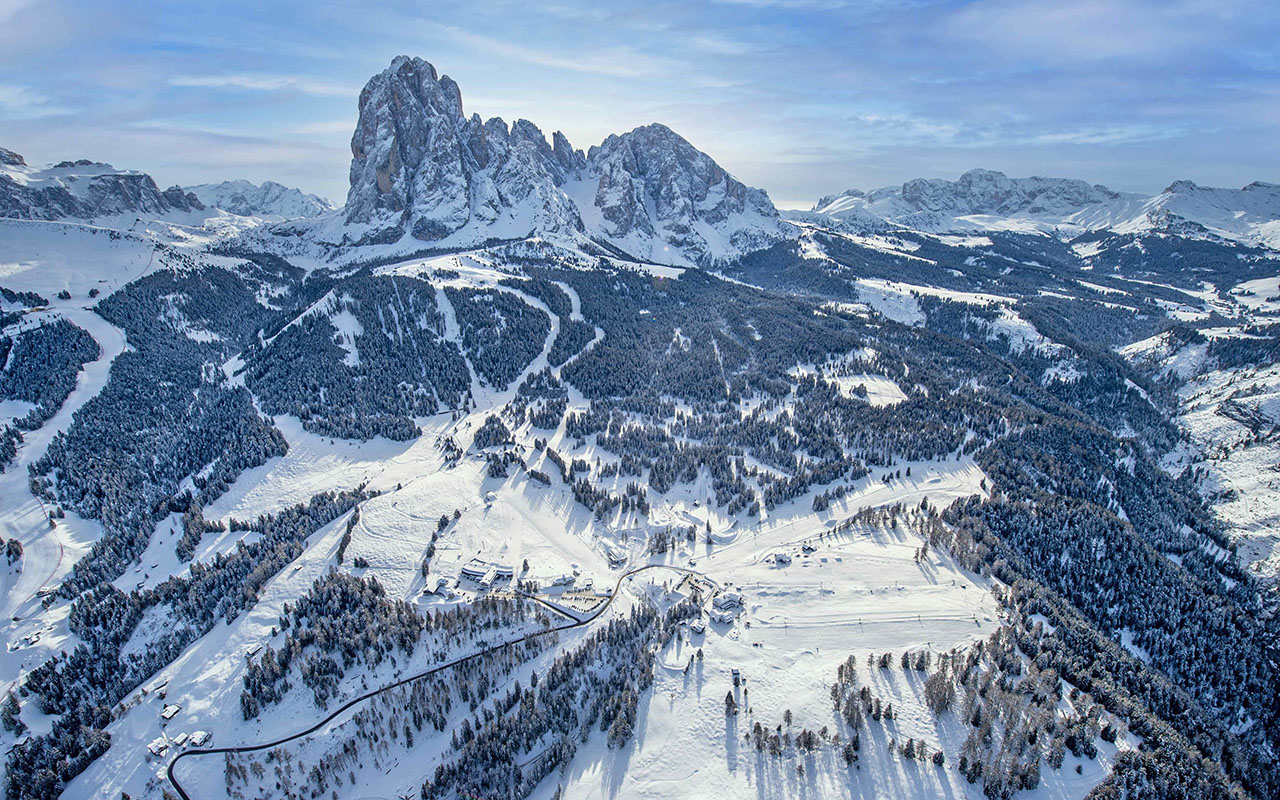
(578, 623)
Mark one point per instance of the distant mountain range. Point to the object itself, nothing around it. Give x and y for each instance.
(987, 200)
(86, 189)
(269, 199)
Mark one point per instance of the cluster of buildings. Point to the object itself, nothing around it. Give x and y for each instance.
(162, 743)
(783, 559)
(724, 610)
(482, 574)
(486, 574)
(725, 607)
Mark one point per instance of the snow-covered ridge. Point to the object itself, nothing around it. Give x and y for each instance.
(268, 199)
(989, 200)
(977, 191)
(83, 189)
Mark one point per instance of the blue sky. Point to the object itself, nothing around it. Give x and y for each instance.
(800, 97)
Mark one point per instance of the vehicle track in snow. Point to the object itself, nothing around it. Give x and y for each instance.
(251, 748)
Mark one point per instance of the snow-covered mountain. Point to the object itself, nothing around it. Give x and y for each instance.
(83, 189)
(1250, 214)
(270, 199)
(988, 200)
(978, 191)
(421, 168)
(649, 190)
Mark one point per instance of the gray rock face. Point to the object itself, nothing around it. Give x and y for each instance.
(420, 166)
(653, 183)
(270, 199)
(20, 201)
(83, 189)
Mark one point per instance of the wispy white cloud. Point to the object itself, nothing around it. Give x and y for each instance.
(1108, 134)
(619, 61)
(8, 8)
(263, 82)
(325, 127)
(1089, 31)
(720, 45)
(20, 102)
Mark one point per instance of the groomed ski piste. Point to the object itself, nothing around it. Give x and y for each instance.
(47, 257)
(814, 590)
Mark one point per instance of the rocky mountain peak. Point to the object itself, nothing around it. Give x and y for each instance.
(409, 118)
(11, 159)
(982, 199)
(652, 182)
(421, 168)
(83, 162)
(827, 200)
(936, 204)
